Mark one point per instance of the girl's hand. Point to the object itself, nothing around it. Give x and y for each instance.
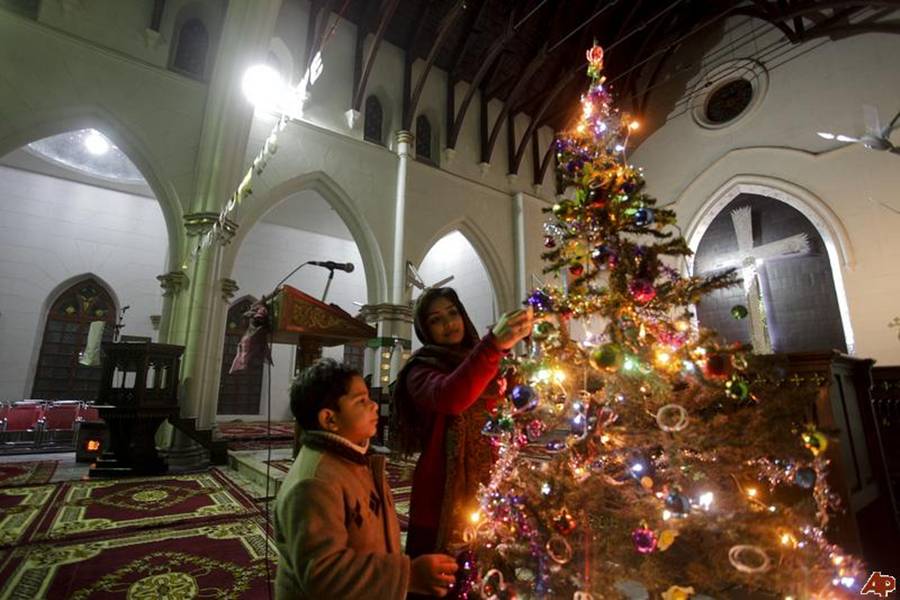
(512, 327)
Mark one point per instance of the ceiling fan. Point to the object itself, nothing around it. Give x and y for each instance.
(415, 280)
(876, 137)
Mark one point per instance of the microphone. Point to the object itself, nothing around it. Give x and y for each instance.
(330, 264)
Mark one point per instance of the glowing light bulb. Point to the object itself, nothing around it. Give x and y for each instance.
(545, 488)
(637, 468)
(663, 357)
(619, 147)
(634, 126)
(705, 500)
(666, 515)
(96, 143)
(263, 86)
(475, 517)
(751, 492)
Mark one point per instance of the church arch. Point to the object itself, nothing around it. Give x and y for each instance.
(52, 123)
(486, 253)
(816, 211)
(239, 393)
(340, 201)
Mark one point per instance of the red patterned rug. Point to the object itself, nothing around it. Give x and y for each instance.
(84, 508)
(20, 507)
(225, 559)
(27, 472)
(259, 444)
(256, 430)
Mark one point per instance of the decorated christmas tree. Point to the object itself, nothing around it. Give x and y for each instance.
(640, 460)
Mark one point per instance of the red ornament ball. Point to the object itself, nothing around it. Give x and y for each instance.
(549, 242)
(576, 269)
(644, 540)
(642, 290)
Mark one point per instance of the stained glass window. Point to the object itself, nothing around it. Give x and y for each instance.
(59, 376)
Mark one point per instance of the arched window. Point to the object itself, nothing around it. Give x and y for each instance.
(193, 45)
(59, 375)
(372, 127)
(423, 138)
(239, 393)
(795, 288)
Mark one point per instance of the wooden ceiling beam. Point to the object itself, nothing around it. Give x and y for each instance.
(487, 64)
(388, 7)
(462, 47)
(533, 65)
(522, 80)
(443, 29)
(532, 126)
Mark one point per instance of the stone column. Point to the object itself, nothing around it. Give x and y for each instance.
(398, 295)
(521, 284)
(172, 284)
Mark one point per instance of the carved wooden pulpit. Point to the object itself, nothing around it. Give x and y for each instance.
(139, 390)
(310, 324)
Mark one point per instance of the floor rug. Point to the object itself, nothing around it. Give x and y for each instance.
(238, 445)
(26, 472)
(222, 560)
(256, 430)
(19, 510)
(85, 508)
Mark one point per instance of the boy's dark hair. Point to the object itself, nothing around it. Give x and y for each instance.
(319, 386)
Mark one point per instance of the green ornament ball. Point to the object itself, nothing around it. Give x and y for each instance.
(739, 311)
(563, 210)
(608, 357)
(542, 330)
(738, 389)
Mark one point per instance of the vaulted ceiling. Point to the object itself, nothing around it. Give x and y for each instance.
(529, 54)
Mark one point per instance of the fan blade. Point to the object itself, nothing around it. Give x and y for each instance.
(442, 282)
(870, 119)
(895, 122)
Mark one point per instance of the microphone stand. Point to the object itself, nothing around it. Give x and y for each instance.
(328, 284)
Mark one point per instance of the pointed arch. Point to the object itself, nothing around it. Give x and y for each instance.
(340, 201)
(69, 310)
(239, 393)
(490, 258)
(827, 224)
(48, 123)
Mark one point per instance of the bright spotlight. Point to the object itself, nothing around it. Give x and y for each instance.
(263, 87)
(96, 143)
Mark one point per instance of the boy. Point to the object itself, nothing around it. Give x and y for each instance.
(335, 526)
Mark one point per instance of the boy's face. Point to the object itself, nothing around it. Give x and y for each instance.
(357, 419)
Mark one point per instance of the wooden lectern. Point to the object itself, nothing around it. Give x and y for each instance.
(139, 390)
(301, 320)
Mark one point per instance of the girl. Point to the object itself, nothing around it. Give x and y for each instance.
(442, 400)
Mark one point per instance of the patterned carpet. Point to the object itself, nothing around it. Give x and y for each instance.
(26, 472)
(216, 560)
(176, 536)
(256, 430)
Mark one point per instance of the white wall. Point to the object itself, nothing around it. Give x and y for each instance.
(454, 255)
(851, 189)
(52, 230)
(267, 254)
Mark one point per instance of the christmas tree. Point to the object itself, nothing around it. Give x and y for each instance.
(641, 458)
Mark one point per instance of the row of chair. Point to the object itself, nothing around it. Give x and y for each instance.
(41, 422)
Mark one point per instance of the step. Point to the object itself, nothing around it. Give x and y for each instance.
(251, 466)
